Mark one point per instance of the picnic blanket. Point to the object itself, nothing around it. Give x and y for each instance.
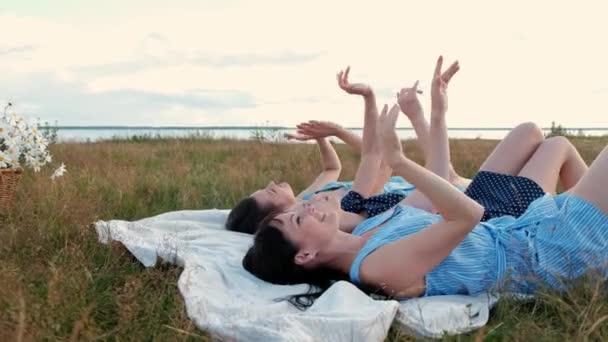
(225, 300)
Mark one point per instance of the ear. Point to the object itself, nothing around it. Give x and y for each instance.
(305, 257)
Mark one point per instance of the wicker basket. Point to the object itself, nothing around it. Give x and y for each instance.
(9, 178)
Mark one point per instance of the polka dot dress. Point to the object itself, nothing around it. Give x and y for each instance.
(355, 203)
(503, 195)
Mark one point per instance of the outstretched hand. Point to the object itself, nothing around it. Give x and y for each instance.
(390, 145)
(318, 129)
(298, 136)
(356, 88)
(439, 87)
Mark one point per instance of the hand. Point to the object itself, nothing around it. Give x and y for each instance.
(318, 129)
(390, 145)
(355, 89)
(297, 136)
(409, 102)
(439, 97)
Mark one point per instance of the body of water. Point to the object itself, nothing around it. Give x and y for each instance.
(83, 134)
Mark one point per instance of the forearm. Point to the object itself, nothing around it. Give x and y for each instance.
(329, 157)
(371, 157)
(438, 159)
(451, 203)
(422, 130)
(350, 138)
(383, 176)
(369, 142)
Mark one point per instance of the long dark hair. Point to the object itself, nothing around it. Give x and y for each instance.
(246, 216)
(271, 258)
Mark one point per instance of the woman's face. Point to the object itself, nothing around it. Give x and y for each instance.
(277, 196)
(309, 228)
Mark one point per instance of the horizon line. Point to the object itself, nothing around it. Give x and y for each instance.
(121, 127)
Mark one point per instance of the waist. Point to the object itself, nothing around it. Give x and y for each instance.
(515, 260)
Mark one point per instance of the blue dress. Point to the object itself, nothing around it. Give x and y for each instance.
(395, 184)
(547, 245)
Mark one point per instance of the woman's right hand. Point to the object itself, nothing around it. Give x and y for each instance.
(354, 89)
(439, 87)
(390, 145)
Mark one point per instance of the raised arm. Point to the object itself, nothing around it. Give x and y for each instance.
(399, 266)
(438, 157)
(331, 167)
(369, 164)
(410, 106)
(315, 128)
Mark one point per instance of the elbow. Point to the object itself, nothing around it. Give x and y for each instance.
(473, 214)
(334, 168)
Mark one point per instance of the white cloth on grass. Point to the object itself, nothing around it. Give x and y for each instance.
(224, 299)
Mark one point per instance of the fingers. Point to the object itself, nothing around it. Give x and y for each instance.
(438, 66)
(393, 115)
(342, 78)
(384, 110)
(415, 87)
(346, 74)
(394, 109)
(453, 69)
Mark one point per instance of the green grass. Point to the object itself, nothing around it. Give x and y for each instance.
(57, 282)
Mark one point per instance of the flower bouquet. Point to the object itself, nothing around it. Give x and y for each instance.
(22, 144)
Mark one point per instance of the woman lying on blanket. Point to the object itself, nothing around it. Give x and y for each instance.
(250, 211)
(409, 252)
(521, 143)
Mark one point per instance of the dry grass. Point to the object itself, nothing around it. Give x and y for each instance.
(58, 283)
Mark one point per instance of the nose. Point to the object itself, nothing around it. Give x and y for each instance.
(311, 210)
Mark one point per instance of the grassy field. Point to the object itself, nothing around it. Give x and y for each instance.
(58, 283)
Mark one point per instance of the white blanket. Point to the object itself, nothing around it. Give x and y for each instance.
(224, 299)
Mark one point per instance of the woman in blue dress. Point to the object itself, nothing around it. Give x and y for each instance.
(410, 252)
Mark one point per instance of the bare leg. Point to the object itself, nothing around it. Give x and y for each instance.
(555, 159)
(512, 153)
(593, 186)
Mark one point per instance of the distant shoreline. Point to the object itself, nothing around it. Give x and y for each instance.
(230, 128)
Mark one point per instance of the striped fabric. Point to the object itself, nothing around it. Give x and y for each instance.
(575, 244)
(395, 184)
(545, 245)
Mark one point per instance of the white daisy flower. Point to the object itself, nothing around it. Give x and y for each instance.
(59, 172)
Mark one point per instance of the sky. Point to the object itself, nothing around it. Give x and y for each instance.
(240, 63)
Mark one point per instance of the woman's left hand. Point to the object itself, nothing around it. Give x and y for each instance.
(390, 145)
(352, 88)
(318, 129)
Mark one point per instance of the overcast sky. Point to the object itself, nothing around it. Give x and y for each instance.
(235, 62)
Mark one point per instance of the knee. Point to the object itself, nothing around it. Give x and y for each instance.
(532, 131)
(559, 142)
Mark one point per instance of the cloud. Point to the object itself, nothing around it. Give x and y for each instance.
(70, 103)
(16, 50)
(242, 60)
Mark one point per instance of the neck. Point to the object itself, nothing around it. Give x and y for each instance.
(341, 252)
(348, 221)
